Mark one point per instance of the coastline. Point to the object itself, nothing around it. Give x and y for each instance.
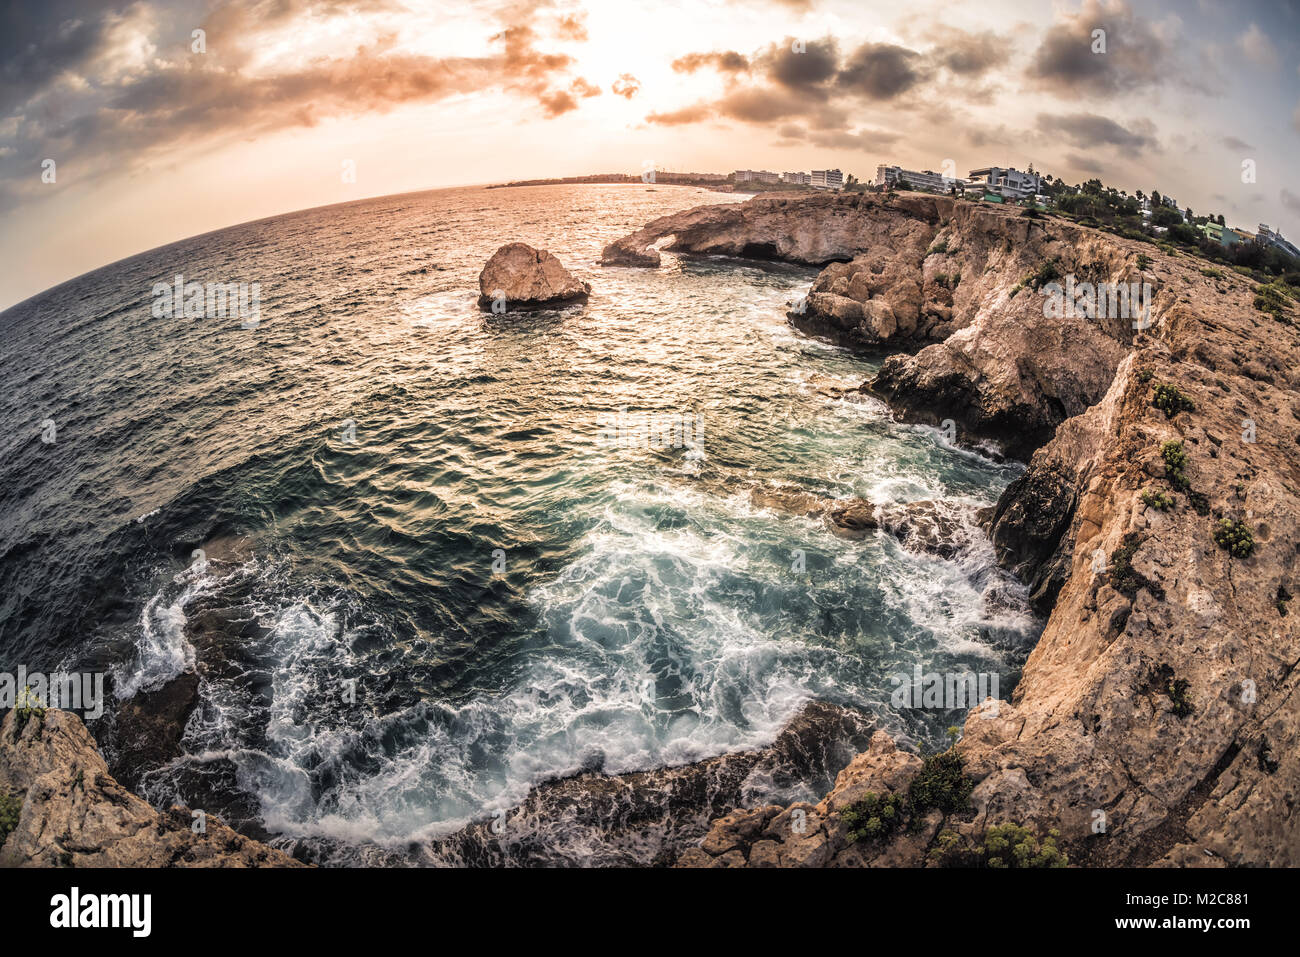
(1090, 727)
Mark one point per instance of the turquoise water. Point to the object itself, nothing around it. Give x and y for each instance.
(511, 597)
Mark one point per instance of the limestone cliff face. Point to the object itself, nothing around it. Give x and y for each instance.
(75, 814)
(951, 279)
(1163, 698)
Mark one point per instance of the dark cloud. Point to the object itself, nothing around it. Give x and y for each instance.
(881, 71)
(1136, 54)
(803, 85)
(40, 41)
(127, 104)
(1089, 129)
(1233, 143)
(800, 65)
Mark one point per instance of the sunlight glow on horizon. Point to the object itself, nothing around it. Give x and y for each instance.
(475, 115)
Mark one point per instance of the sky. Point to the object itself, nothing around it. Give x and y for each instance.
(122, 129)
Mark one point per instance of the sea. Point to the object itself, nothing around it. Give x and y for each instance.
(425, 557)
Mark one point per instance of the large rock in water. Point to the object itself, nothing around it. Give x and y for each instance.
(527, 278)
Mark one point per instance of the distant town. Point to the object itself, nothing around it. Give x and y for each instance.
(1153, 217)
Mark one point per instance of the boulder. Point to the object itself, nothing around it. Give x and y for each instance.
(527, 278)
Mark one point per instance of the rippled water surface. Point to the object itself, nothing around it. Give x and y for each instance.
(514, 598)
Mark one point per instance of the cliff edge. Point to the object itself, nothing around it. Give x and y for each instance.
(1157, 721)
(73, 813)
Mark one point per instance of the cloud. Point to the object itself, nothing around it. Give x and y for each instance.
(94, 86)
(1257, 47)
(572, 27)
(726, 62)
(968, 54)
(1290, 200)
(626, 86)
(695, 113)
(1089, 129)
(1137, 54)
(799, 65)
(881, 71)
(1234, 143)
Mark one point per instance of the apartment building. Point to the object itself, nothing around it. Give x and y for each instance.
(891, 176)
(1009, 183)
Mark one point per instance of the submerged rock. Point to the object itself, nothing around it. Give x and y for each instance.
(519, 277)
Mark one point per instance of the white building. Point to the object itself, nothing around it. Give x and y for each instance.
(827, 179)
(1008, 183)
(796, 179)
(890, 176)
(1272, 238)
(756, 176)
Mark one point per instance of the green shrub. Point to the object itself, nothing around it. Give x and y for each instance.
(1157, 499)
(1007, 845)
(10, 810)
(1143, 260)
(873, 817)
(1175, 463)
(1235, 537)
(941, 246)
(1274, 300)
(941, 783)
(1145, 375)
(1011, 845)
(28, 706)
(1212, 273)
(1169, 400)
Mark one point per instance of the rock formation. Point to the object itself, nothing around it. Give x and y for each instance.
(648, 817)
(1157, 720)
(75, 814)
(523, 278)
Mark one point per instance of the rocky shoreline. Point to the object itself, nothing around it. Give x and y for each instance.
(1157, 720)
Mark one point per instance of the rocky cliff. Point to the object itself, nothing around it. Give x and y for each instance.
(1157, 720)
(73, 813)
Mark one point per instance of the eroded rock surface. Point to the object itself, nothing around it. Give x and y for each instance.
(75, 814)
(1157, 720)
(649, 817)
